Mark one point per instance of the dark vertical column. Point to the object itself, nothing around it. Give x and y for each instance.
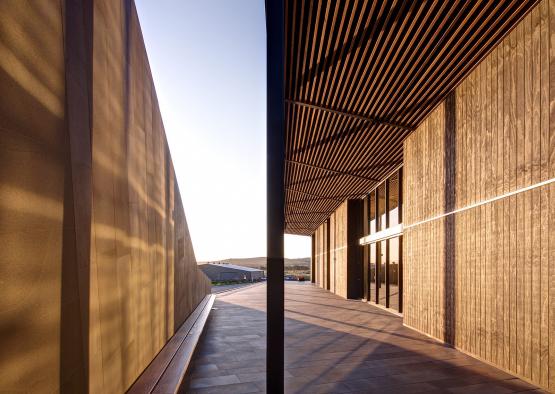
(328, 256)
(386, 273)
(74, 335)
(400, 241)
(377, 265)
(313, 259)
(354, 250)
(449, 229)
(275, 146)
(366, 249)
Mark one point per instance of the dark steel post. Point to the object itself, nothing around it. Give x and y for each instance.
(275, 151)
(313, 258)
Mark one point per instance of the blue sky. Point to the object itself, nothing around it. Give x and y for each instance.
(208, 61)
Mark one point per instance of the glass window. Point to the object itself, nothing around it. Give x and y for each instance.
(372, 212)
(384, 265)
(381, 207)
(372, 273)
(382, 261)
(393, 205)
(393, 273)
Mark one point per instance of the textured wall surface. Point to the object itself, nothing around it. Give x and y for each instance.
(97, 268)
(32, 175)
(483, 279)
(144, 278)
(344, 253)
(338, 250)
(321, 255)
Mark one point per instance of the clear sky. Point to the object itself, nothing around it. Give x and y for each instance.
(208, 61)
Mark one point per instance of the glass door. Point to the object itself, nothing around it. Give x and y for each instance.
(372, 273)
(382, 272)
(384, 267)
(393, 272)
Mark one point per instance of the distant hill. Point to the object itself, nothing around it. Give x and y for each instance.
(260, 262)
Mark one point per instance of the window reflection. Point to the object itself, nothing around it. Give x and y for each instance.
(372, 273)
(382, 257)
(393, 199)
(372, 212)
(382, 222)
(384, 262)
(393, 273)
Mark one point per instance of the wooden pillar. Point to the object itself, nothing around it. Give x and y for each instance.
(313, 259)
(327, 264)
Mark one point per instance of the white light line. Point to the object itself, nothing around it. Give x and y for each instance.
(332, 250)
(483, 202)
(391, 232)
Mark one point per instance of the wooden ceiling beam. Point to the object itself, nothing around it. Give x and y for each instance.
(304, 221)
(361, 76)
(363, 118)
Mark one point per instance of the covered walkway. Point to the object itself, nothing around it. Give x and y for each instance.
(331, 345)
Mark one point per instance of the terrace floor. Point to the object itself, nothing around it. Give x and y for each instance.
(332, 345)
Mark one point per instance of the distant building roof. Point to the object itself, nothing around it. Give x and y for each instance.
(237, 267)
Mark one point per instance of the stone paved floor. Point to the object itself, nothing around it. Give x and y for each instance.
(225, 288)
(332, 345)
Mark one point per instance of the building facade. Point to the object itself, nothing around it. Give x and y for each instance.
(230, 272)
(457, 236)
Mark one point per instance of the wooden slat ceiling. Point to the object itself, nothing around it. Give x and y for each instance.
(360, 76)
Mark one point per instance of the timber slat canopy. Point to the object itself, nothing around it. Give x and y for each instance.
(359, 77)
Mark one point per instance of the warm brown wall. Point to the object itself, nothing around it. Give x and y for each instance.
(484, 279)
(139, 296)
(338, 253)
(33, 150)
(97, 265)
(344, 266)
(313, 259)
(332, 255)
(427, 284)
(190, 283)
(320, 255)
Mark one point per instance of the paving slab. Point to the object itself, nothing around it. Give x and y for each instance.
(332, 345)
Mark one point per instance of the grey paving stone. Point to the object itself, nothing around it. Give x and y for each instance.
(199, 383)
(332, 345)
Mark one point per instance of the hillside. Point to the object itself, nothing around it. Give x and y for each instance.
(260, 262)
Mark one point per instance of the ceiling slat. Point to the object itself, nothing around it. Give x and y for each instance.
(360, 76)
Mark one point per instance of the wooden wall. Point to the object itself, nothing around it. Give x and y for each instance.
(427, 285)
(320, 254)
(138, 297)
(313, 258)
(345, 270)
(333, 254)
(33, 153)
(483, 279)
(338, 250)
(97, 263)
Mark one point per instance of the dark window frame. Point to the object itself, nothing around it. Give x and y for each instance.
(377, 218)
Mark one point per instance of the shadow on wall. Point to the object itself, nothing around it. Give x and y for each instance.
(32, 177)
(145, 280)
(89, 206)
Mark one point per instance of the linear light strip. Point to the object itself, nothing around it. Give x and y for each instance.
(332, 250)
(525, 189)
